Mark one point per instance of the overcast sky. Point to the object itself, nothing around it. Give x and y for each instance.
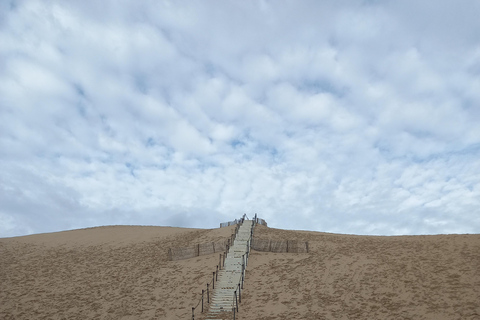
(340, 116)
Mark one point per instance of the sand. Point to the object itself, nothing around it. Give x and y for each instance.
(365, 277)
(118, 272)
(122, 272)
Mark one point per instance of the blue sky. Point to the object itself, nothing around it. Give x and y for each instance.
(339, 116)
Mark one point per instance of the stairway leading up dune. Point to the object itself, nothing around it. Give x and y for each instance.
(227, 292)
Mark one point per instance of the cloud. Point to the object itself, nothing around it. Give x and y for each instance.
(351, 117)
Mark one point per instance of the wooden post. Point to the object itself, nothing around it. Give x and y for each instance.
(233, 312)
(239, 294)
(242, 279)
(213, 245)
(202, 299)
(236, 301)
(306, 245)
(216, 274)
(208, 294)
(193, 313)
(198, 249)
(287, 246)
(243, 269)
(220, 262)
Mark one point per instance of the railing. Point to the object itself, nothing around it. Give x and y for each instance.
(204, 300)
(261, 222)
(289, 246)
(229, 223)
(201, 301)
(238, 298)
(199, 249)
(237, 221)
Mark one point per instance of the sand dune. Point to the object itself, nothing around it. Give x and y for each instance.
(118, 272)
(122, 272)
(365, 277)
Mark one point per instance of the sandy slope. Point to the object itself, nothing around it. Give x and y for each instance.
(364, 277)
(118, 272)
(122, 272)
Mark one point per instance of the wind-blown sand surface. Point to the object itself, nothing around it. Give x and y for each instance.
(365, 277)
(118, 272)
(122, 272)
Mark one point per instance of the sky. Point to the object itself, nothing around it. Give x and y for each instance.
(358, 117)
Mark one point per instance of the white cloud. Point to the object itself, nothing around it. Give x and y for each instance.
(343, 117)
